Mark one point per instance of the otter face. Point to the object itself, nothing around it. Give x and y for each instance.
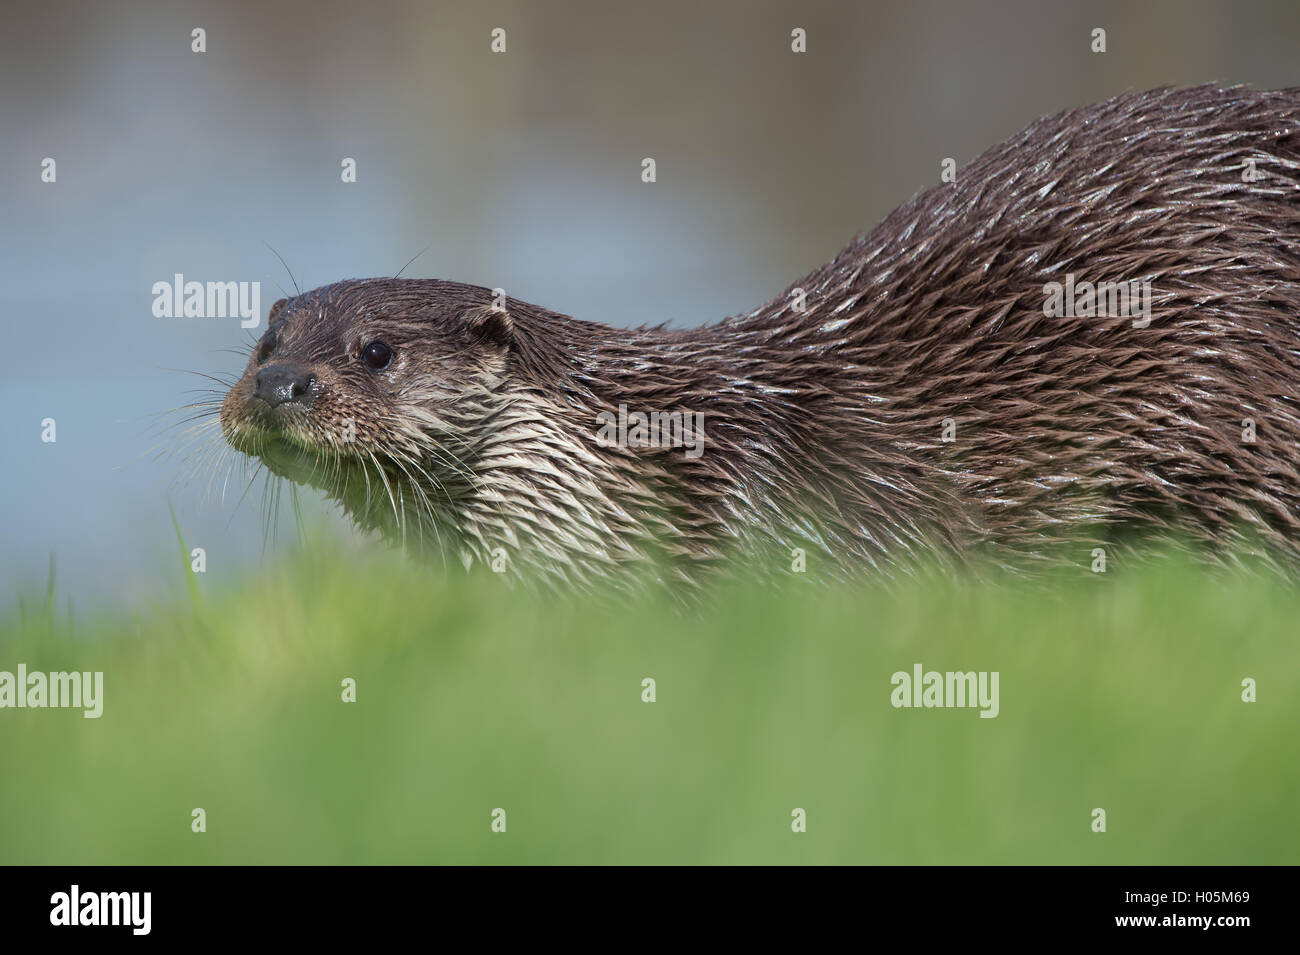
(374, 391)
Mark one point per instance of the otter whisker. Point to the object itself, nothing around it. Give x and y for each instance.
(412, 259)
(252, 479)
(297, 514)
(287, 269)
(225, 381)
(379, 469)
(424, 508)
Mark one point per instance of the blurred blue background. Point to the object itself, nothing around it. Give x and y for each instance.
(519, 170)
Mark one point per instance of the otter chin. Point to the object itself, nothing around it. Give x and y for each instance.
(965, 379)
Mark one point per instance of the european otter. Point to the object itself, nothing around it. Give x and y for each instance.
(972, 376)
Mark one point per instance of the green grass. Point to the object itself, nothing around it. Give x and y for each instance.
(1121, 692)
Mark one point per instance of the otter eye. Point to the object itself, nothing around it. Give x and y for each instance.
(376, 356)
(266, 347)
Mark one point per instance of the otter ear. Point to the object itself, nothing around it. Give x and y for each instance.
(276, 308)
(492, 326)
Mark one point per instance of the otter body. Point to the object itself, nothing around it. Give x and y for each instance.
(942, 388)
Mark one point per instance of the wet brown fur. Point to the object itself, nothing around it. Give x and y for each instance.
(824, 426)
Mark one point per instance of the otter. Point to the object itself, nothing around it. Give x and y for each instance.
(972, 377)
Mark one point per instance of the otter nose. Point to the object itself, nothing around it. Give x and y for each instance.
(283, 382)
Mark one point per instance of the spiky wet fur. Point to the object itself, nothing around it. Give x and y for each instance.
(824, 425)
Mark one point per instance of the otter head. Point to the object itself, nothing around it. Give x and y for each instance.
(378, 392)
